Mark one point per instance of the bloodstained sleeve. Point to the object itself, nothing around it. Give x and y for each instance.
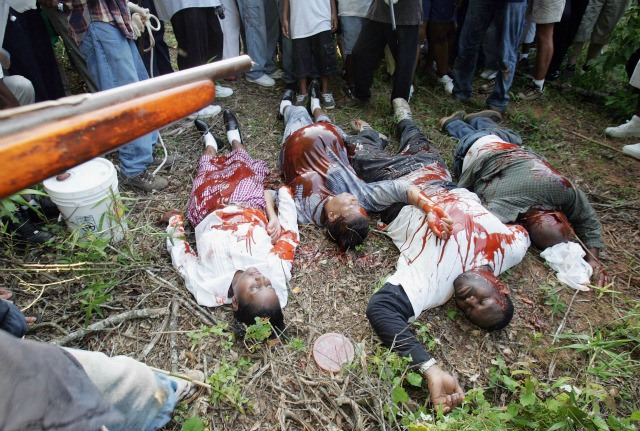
(389, 311)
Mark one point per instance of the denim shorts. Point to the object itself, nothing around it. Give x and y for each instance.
(318, 48)
(438, 11)
(351, 26)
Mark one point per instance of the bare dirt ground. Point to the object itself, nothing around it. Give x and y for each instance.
(280, 387)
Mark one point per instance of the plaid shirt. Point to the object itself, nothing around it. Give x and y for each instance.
(217, 174)
(84, 12)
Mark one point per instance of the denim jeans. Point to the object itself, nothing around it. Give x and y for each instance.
(114, 61)
(510, 20)
(146, 399)
(468, 133)
(288, 76)
(262, 28)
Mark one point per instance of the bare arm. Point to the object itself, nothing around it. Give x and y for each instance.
(334, 16)
(285, 18)
(600, 276)
(273, 227)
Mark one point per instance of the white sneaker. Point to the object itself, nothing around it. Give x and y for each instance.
(401, 110)
(222, 92)
(276, 74)
(632, 150)
(627, 130)
(489, 74)
(264, 80)
(207, 111)
(447, 83)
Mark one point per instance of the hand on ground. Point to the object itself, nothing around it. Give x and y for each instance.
(5, 294)
(444, 389)
(600, 277)
(168, 214)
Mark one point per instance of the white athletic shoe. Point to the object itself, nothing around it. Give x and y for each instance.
(447, 83)
(276, 74)
(265, 80)
(629, 129)
(632, 150)
(489, 74)
(401, 110)
(222, 92)
(207, 111)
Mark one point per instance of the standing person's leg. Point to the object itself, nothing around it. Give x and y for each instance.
(146, 399)
(60, 24)
(591, 14)
(610, 15)
(351, 28)
(288, 68)
(113, 61)
(545, 50)
(21, 88)
(367, 53)
(231, 29)
(191, 28)
(404, 46)
(215, 36)
(161, 59)
(272, 22)
(478, 18)
(511, 25)
(438, 37)
(564, 33)
(255, 28)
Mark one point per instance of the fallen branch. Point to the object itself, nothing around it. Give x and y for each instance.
(155, 339)
(111, 321)
(586, 138)
(173, 326)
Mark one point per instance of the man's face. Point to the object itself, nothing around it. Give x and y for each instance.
(252, 286)
(344, 204)
(478, 300)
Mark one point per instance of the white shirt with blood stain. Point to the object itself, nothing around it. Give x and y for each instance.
(427, 265)
(225, 246)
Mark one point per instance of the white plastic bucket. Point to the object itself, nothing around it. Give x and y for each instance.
(87, 196)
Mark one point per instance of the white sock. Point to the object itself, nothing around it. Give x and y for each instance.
(524, 55)
(233, 135)
(210, 141)
(284, 104)
(315, 104)
(539, 83)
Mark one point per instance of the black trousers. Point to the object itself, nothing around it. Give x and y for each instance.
(199, 36)
(369, 50)
(372, 163)
(161, 59)
(565, 31)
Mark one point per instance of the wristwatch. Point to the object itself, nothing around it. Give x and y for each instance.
(426, 365)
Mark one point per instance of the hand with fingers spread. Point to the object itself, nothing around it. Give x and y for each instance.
(444, 389)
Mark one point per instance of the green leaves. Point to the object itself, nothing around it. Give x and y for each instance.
(399, 395)
(193, 424)
(414, 379)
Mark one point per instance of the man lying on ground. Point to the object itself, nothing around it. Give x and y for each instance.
(327, 191)
(430, 271)
(46, 387)
(244, 248)
(518, 185)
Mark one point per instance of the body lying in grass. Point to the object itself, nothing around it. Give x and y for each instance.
(327, 191)
(429, 270)
(244, 248)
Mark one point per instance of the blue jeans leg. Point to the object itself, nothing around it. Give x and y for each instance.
(458, 129)
(512, 24)
(254, 18)
(114, 61)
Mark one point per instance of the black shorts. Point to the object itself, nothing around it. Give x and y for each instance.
(318, 48)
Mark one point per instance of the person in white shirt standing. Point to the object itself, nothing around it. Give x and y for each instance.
(244, 248)
(310, 27)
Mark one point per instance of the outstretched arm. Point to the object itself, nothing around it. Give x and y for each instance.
(389, 311)
(273, 226)
(600, 276)
(439, 221)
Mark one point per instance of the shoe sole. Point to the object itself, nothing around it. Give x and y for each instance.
(458, 115)
(261, 83)
(487, 113)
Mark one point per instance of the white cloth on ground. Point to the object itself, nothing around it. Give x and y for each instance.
(567, 260)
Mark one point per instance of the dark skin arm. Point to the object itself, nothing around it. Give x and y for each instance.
(600, 276)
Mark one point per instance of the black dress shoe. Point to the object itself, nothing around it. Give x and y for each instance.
(201, 125)
(25, 230)
(231, 122)
(42, 206)
(289, 94)
(314, 89)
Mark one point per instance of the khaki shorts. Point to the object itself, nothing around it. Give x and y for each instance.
(545, 11)
(635, 78)
(600, 19)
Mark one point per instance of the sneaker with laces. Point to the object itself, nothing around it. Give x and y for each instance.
(630, 129)
(489, 74)
(458, 115)
(147, 182)
(23, 229)
(534, 92)
(326, 101)
(157, 160)
(276, 74)
(223, 92)
(447, 83)
(265, 80)
(488, 87)
(401, 110)
(632, 150)
(206, 112)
